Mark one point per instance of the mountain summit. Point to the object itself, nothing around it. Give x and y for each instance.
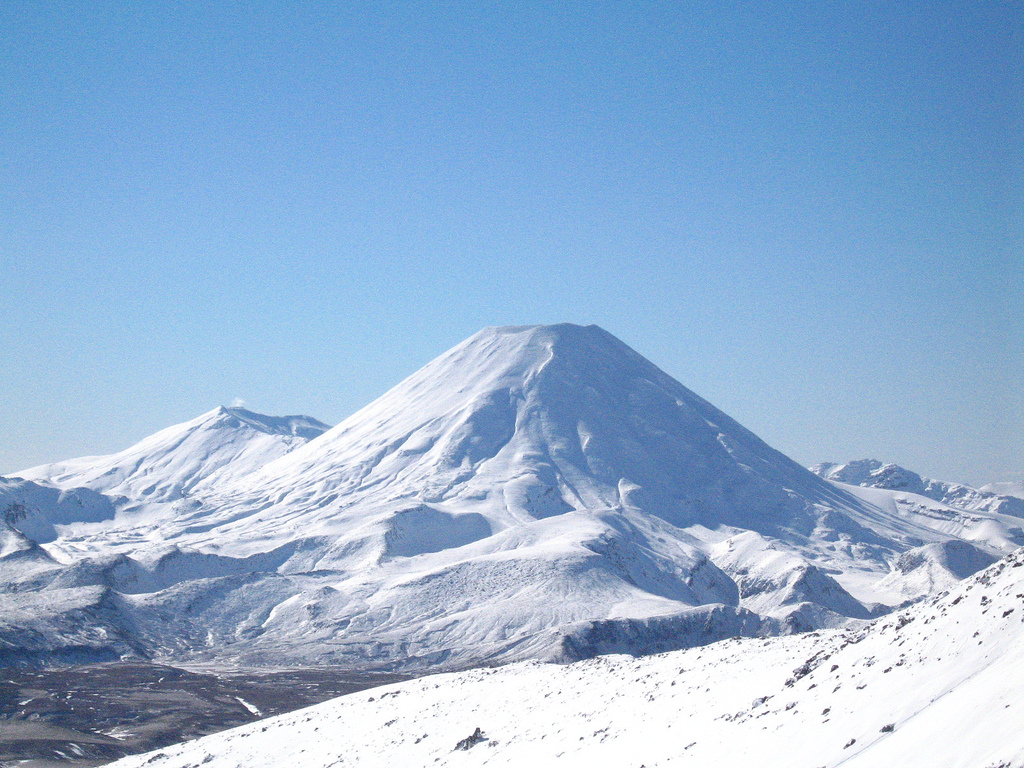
(536, 491)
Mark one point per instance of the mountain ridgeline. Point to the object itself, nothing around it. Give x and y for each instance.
(535, 492)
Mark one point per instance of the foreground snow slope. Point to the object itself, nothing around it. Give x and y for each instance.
(535, 492)
(935, 685)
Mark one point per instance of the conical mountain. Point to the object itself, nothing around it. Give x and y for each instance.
(521, 423)
(538, 491)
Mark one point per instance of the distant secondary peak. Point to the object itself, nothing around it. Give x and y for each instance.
(872, 473)
(298, 425)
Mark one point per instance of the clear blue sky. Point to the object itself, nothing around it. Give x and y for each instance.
(808, 213)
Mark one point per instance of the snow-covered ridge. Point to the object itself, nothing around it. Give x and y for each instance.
(936, 684)
(871, 473)
(30, 513)
(1013, 488)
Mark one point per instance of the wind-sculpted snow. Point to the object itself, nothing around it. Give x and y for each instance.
(422, 529)
(934, 685)
(535, 492)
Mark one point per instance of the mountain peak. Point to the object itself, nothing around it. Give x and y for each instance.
(216, 446)
(535, 338)
(555, 333)
(872, 473)
(519, 350)
(532, 420)
(297, 425)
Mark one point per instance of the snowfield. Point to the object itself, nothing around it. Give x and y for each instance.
(937, 684)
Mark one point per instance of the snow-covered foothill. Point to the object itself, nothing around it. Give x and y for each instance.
(36, 511)
(871, 473)
(935, 684)
(1013, 488)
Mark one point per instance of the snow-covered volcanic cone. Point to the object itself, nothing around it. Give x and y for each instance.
(537, 491)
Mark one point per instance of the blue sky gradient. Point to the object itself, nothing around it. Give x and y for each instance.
(808, 213)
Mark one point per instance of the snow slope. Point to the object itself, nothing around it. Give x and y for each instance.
(33, 512)
(1013, 488)
(936, 684)
(535, 492)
